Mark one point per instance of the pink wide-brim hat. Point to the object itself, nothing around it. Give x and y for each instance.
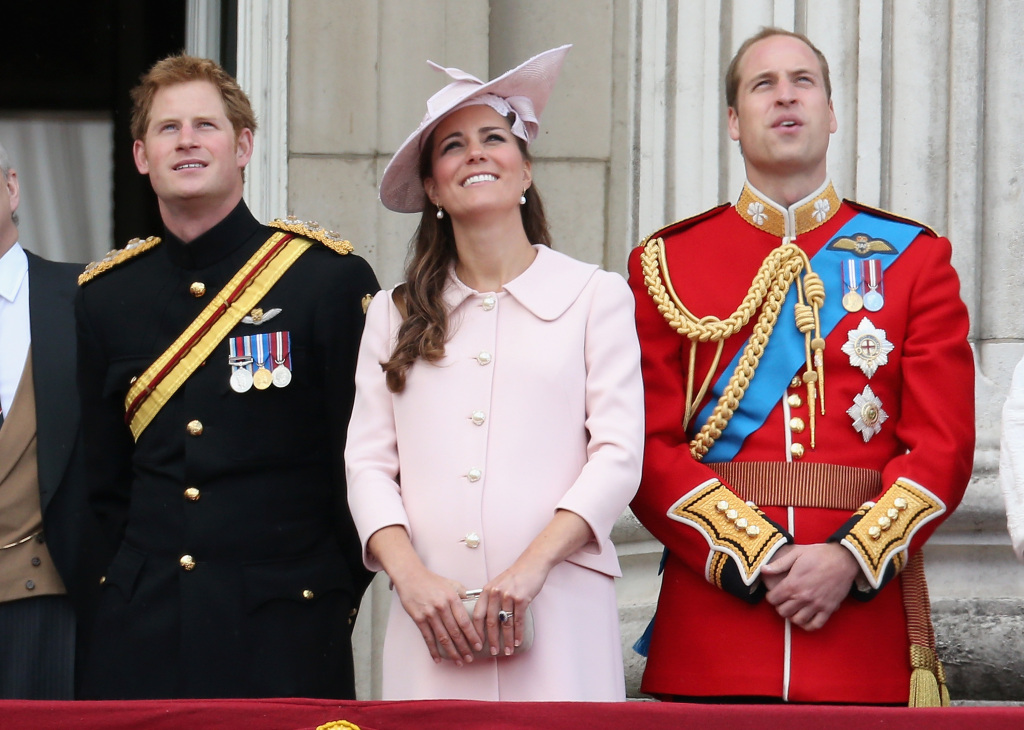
(526, 88)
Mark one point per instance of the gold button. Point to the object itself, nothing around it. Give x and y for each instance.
(797, 450)
(892, 513)
(187, 562)
(874, 532)
(103, 579)
(900, 503)
(753, 531)
(352, 613)
(722, 505)
(796, 382)
(192, 494)
(308, 594)
(795, 401)
(796, 424)
(474, 475)
(884, 522)
(195, 428)
(484, 358)
(472, 540)
(741, 523)
(478, 417)
(197, 289)
(731, 514)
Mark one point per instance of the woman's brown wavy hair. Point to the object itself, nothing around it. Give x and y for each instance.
(424, 329)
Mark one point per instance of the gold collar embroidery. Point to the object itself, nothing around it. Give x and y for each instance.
(801, 217)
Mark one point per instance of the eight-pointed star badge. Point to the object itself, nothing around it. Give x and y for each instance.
(867, 413)
(867, 347)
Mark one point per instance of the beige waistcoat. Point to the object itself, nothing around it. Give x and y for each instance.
(26, 568)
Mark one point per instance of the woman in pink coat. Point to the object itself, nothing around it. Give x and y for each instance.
(497, 432)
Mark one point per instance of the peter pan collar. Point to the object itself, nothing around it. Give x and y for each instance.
(548, 287)
(762, 212)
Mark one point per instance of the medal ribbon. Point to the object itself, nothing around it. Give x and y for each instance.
(873, 272)
(853, 279)
(247, 287)
(784, 354)
(281, 349)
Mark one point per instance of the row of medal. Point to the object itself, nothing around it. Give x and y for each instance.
(259, 361)
(862, 285)
(867, 346)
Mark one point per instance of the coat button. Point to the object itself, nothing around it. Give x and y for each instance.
(195, 428)
(489, 301)
(187, 562)
(103, 579)
(484, 358)
(796, 424)
(308, 595)
(30, 584)
(795, 401)
(797, 450)
(474, 475)
(36, 562)
(796, 382)
(192, 494)
(197, 289)
(472, 540)
(478, 417)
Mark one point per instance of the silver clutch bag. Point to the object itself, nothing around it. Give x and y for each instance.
(469, 602)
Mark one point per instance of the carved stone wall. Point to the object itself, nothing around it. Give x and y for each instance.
(929, 102)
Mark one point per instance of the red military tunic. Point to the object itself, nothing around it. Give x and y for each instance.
(713, 635)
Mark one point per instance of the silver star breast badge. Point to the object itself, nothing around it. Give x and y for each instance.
(867, 413)
(867, 347)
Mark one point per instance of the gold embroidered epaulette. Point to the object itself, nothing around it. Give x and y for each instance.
(685, 223)
(116, 257)
(889, 215)
(883, 533)
(313, 231)
(733, 529)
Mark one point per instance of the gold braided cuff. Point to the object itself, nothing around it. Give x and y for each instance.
(883, 533)
(733, 529)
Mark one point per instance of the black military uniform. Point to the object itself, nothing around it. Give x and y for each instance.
(237, 568)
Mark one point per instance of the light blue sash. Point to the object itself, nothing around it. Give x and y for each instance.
(784, 353)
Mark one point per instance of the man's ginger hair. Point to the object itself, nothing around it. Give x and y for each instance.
(181, 69)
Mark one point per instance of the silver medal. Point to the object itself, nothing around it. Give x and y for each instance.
(241, 380)
(282, 376)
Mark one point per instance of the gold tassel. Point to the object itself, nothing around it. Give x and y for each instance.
(927, 685)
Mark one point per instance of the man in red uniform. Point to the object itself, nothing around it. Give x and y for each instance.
(810, 418)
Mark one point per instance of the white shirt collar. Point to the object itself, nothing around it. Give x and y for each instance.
(13, 269)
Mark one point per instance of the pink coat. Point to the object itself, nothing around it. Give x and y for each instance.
(536, 406)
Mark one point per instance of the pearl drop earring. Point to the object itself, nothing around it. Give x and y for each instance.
(440, 212)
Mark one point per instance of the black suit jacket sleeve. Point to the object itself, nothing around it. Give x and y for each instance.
(340, 327)
(108, 445)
